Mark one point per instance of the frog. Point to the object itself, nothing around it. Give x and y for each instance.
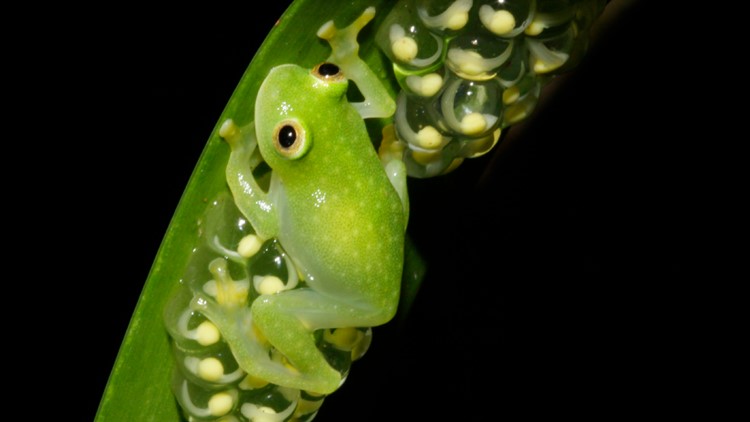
(337, 206)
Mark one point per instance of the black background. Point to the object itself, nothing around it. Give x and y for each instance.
(540, 295)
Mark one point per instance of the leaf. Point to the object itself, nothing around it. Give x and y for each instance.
(138, 387)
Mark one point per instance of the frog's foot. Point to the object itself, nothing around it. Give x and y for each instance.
(241, 139)
(230, 132)
(225, 291)
(229, 293)
(345, 54)
(344, 41)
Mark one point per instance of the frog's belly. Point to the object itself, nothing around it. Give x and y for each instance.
(355, 252)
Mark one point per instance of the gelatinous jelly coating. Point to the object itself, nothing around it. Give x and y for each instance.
(470, 68)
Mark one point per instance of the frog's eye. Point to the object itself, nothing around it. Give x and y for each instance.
(290, 139)
(328, 72)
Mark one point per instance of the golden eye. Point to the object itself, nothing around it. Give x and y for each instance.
(290, 139)
(328, 72)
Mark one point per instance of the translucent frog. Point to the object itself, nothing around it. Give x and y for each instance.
(338, 209)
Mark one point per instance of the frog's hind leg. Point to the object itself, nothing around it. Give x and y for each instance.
(249, 347)
(230, 313)
(289, 319)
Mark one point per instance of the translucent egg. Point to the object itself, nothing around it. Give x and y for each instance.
(189, 328)
(520, 99)
(200, 403)
(472, 109)
(476, 147)
(307, 407)
(423, 164)
(422, 84)
(407, 42)
(477, 57)
(550, 15)
(445, 17)
(270, 403)
(517, 65)
(416, 124)
(506, 18)
(210, 366)
(551, 51)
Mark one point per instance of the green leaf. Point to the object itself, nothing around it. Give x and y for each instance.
(138, 388)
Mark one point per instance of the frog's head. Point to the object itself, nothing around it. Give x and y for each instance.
(296, 111)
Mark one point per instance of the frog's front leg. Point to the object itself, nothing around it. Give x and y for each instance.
(289, 319)
(391, 152)
(251, 200)
(345, 54)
